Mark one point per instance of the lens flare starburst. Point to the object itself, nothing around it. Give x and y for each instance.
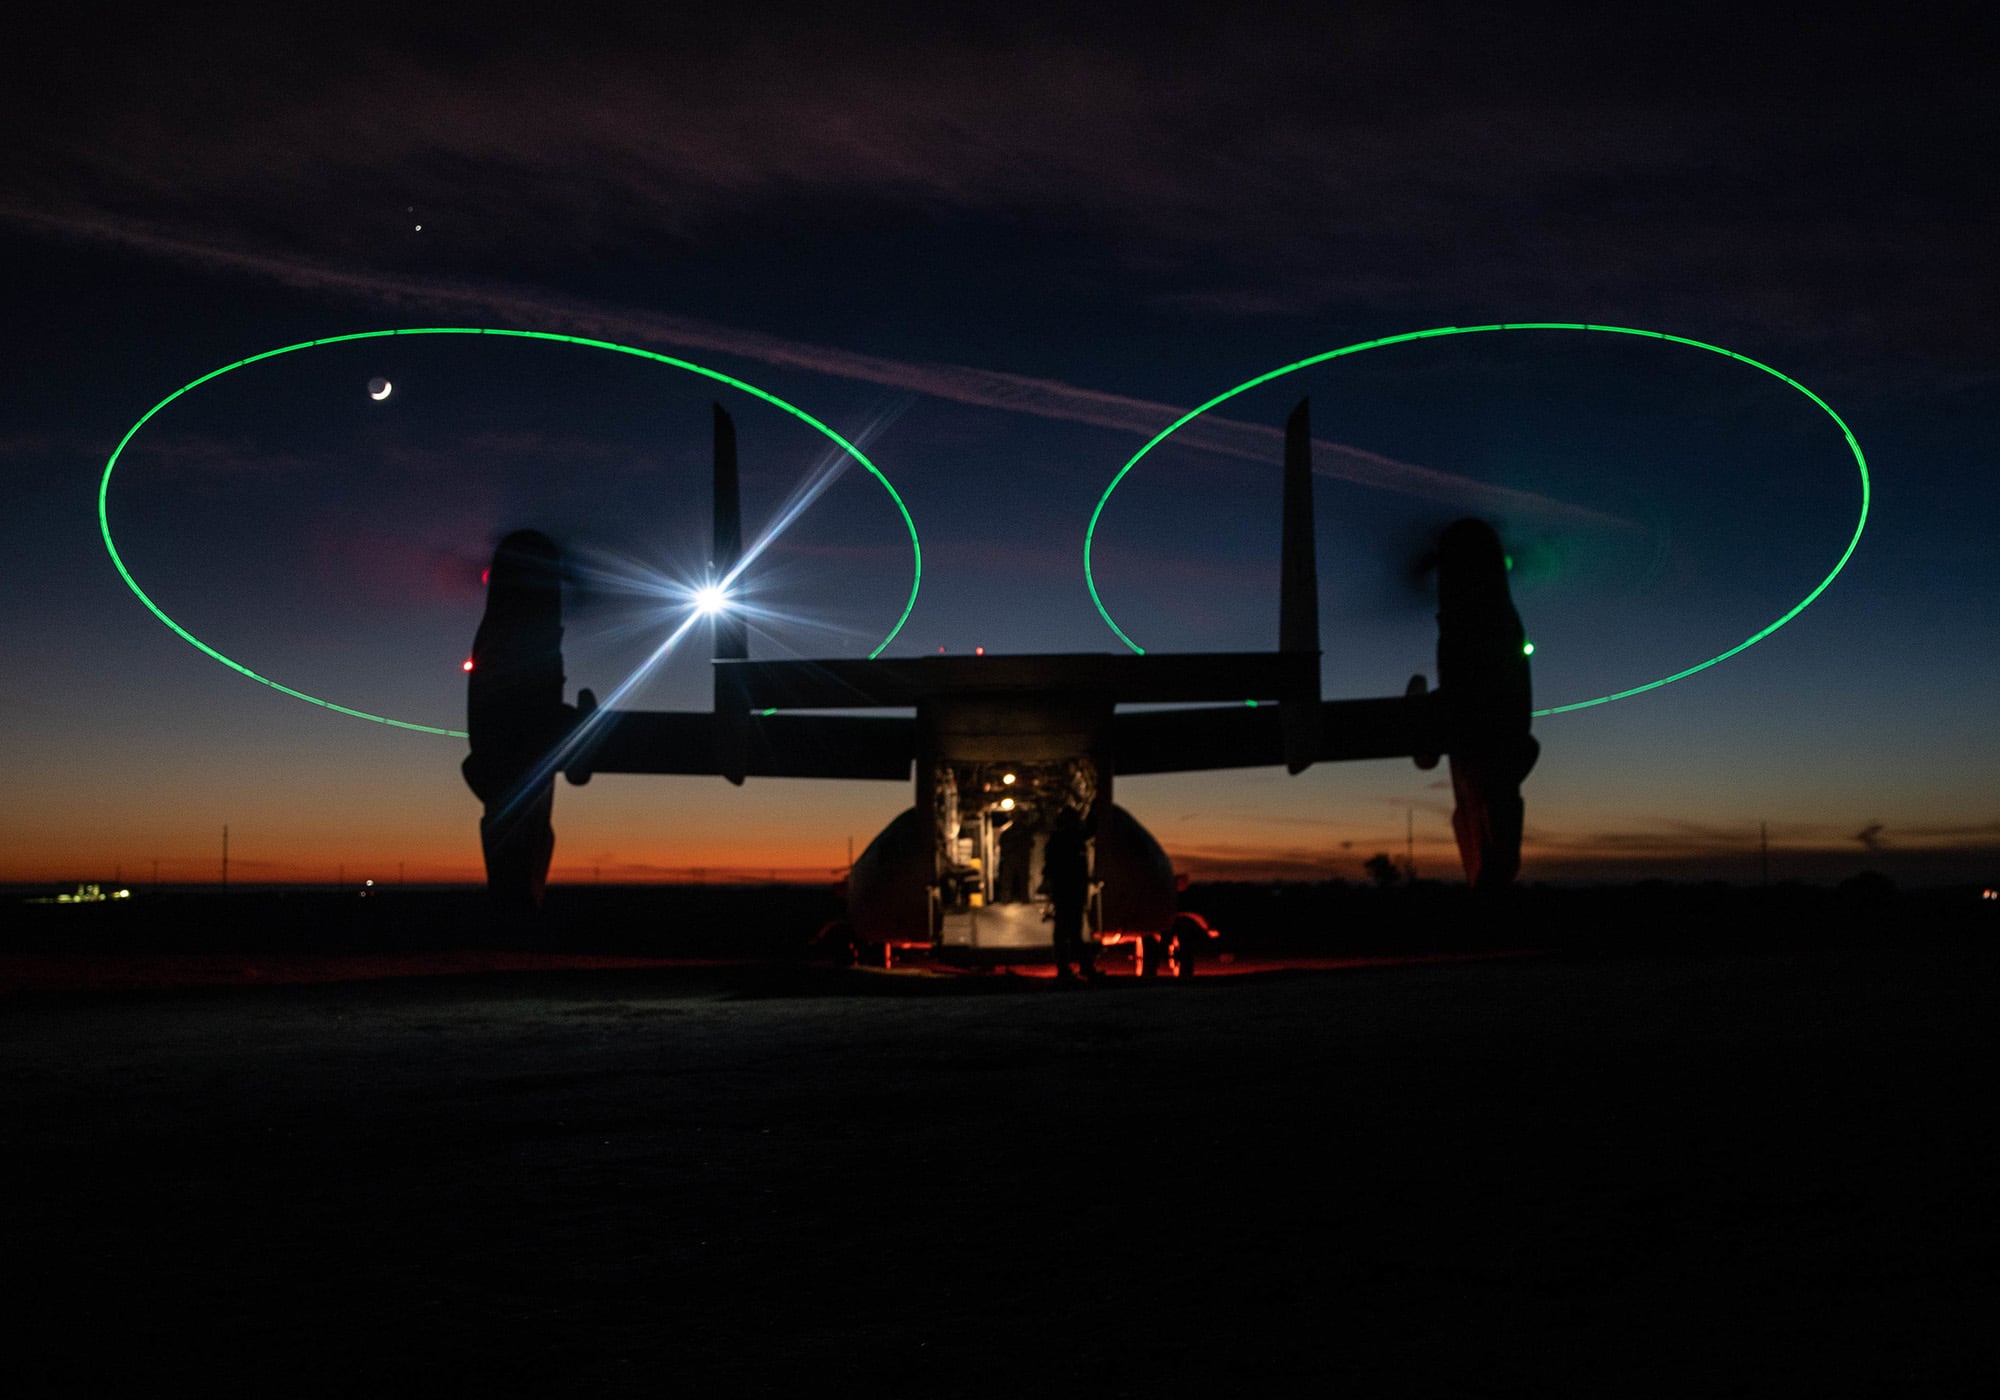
(842, 448)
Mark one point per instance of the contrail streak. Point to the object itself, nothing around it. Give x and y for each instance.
(1015, 393)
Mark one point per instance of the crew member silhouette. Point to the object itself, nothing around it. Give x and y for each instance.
(1017, 852)
(1066, 878)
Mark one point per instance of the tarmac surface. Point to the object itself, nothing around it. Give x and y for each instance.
(1719, 1174)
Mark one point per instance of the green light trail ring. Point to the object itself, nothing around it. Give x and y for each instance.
(1860, 462)
(104, 488)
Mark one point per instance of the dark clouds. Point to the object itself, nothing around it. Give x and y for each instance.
(1031, 395)
(1717, 174)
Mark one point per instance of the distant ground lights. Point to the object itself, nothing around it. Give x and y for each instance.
(379, 388)
(1860, 462)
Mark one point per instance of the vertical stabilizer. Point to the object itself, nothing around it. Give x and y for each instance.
(732, 634)
(1298, 604)
(1298, 599)
(732, 638)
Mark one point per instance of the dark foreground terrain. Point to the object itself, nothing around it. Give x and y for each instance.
(1724, 1173)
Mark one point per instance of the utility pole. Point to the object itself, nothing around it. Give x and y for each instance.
(225, 857)
(1410, 845)
(1764, 849)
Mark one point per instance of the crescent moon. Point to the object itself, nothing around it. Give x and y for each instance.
(378, 389)
(716, 375)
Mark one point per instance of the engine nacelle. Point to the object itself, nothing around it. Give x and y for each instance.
(1485, 685)
(515, 715)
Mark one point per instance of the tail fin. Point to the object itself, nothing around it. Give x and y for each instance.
(1298, 603)
(732, 637)
(1298, 598)
(732, 634)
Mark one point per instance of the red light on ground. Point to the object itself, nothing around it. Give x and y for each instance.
(465, 665)
(979, 651)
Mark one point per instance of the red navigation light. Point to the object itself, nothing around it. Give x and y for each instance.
(979, 651)
(465, 665)
(486, 575)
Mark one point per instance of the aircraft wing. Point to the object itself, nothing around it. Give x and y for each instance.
(1253, 736)
(778, 746)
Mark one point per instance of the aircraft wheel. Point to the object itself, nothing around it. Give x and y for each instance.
(1152, 955)
(1186, 941)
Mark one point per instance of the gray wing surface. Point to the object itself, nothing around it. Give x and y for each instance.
(779, 746)
(1247, 736)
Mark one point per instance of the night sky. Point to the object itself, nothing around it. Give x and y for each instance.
(999, 252)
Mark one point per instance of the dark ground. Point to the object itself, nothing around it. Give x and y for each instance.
(1735, 1172)
(778, 922)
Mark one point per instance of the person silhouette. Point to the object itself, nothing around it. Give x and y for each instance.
(1017, 853)
(1066, 878)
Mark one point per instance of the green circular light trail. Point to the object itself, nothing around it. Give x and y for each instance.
(104, 488)
(1860, 463)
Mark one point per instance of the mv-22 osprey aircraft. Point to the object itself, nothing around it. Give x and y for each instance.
(1002, 746)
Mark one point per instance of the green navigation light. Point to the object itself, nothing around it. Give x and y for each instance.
(1860, 462)
(104, 487)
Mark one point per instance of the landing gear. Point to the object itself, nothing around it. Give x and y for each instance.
(1170, 954)
(1185, 940)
